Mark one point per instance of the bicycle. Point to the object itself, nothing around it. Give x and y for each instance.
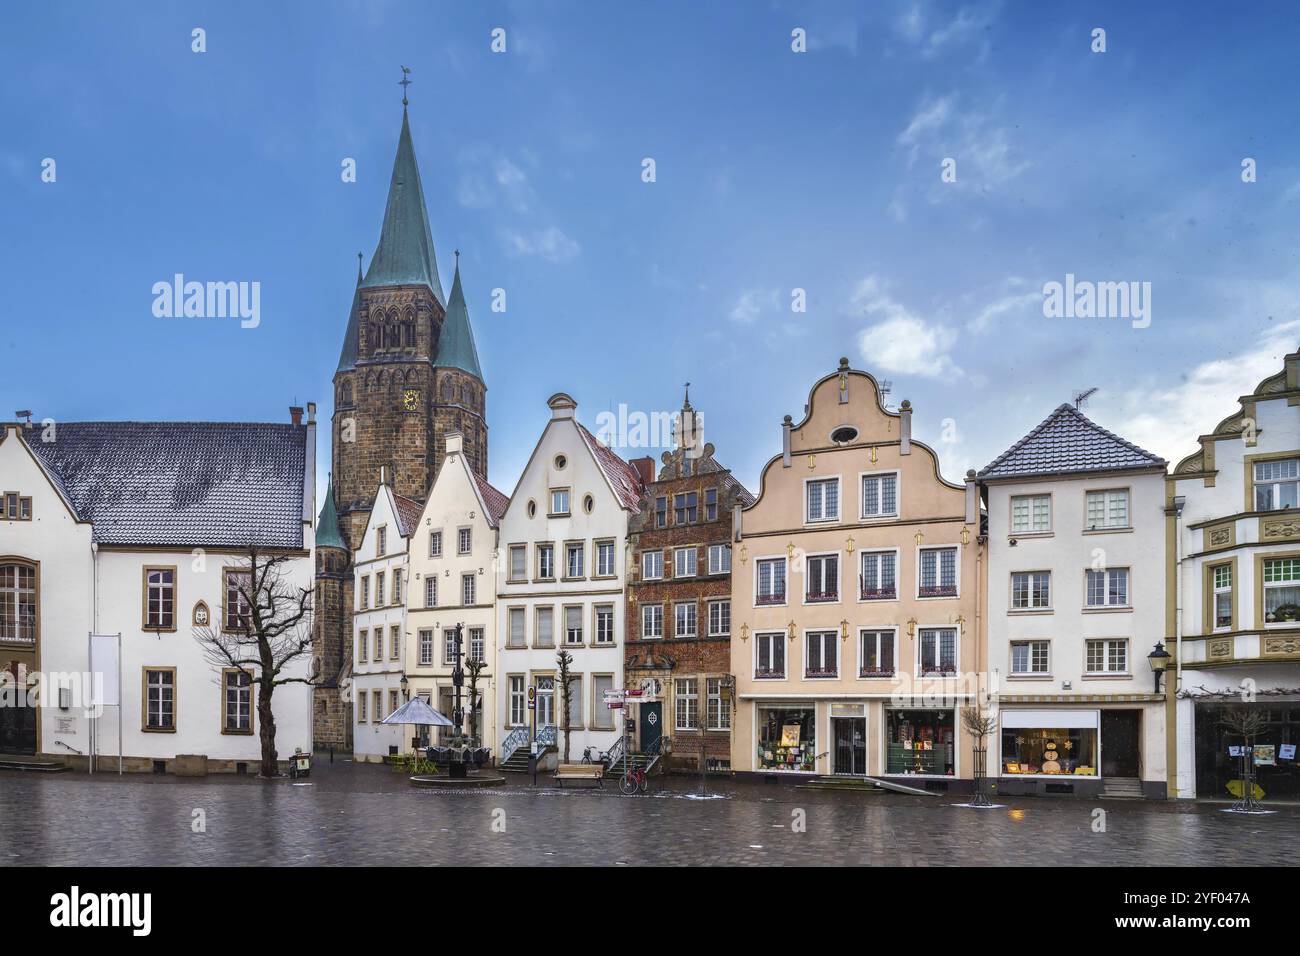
(594, 755)
(634, 779)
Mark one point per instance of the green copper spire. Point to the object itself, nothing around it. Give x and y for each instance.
(327, 525)
(456, 345)
(348, 356)
(405, 253)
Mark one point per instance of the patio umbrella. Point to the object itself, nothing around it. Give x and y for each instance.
(416, 711)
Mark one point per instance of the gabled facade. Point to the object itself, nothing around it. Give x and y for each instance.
(854, 600)
(1076, 598)
(678, 649)
(453, 556)
(379, 624)
(563, 545)
(132, 528)
(1234, 571)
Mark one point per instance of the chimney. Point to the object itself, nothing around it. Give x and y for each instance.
(905, 428)
(311, 413)
(455, 442)
(309, 469)
(972, 497)
(645, 467)
(295, 414)
(785, 441)
(737, 523)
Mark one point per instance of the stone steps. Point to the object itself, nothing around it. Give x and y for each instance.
(32, 764)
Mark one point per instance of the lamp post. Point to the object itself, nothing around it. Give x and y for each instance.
(457, 768)
(1159, 661)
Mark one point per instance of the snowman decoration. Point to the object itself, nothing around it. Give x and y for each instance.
(1051, 758)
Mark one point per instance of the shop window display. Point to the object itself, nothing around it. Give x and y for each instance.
(1050, 750)
(786, 739)
(921, 742)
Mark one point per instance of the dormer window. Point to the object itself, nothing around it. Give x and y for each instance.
(844, 435)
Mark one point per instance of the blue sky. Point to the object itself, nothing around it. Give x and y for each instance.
(775, 171)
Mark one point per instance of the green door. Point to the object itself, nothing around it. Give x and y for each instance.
(652, 724)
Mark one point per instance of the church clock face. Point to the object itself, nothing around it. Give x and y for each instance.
(411, 399)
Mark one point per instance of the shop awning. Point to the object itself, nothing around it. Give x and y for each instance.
(1050, 719)
(1081, 698)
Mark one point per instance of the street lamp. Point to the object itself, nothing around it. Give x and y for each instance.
(406, 688)
(1159, 661)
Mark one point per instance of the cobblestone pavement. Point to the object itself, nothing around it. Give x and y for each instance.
(348, 814)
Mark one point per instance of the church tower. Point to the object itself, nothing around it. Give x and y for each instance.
(407, 376)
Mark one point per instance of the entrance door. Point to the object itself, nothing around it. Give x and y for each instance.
(652, 724)
(850, 745)
(17, 723)
(545, 702)
(1119, 743)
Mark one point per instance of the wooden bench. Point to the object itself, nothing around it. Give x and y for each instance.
(580, 771)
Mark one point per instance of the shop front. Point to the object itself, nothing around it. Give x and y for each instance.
(920, 742)
(1219, 750)
(785, 738)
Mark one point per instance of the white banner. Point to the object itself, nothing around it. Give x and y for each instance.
(104, 660)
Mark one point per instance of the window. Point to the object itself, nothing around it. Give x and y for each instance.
(1221, 579)
(377, 705)
(1281, 590)
(362, 697)
(711, 504)
(559, 501)
(1277, 484)
(787, 738)
(920, 742)
(822, 655)
(938, 572)
(518, 562)
(379, 645)
(546, 561)
(518, 702)
(516, 638)
(426, 647)
(652, 621)
(686, 697)
(430, 591)
(685, 622)
(1068, 750)
(575, 702)
(686, 508)
(394, 701)
(880, 495)
(465, 540)
(468, 586)
(16, 507)
(363, 646)
(605, 624)
(397, 585)
(938, 647)
(1031, 514)
(719, 559)
(435, 544)
(1107, 509)
(822, 578)
(876, 653)
(379, 589)
(879, 578)
(823, 499)
(363, 599)
(661, 512)
(1109, 656)
(18, 603)
(394, 642)
(719, 707)
(771, 581)
(573, 555)
(652, 565)
(573, 625)
(160, 699)
(602, 718)
(769, 650)
(1031, 590)
(237, 689)
(1108, 588)
(719, 618)
(605, 559)
(476, 644)
(1029, 657)
(238, 583)
(545, 635)
(381, 542)
(160, 599)
(449, 646)
(684, 563)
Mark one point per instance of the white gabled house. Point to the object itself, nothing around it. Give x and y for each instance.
(563, 542)
(379, 624)
(134, 528)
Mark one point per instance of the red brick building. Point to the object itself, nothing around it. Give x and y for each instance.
(678, 647)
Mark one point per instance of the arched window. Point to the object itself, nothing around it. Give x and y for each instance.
(346, 393)
(18, 602)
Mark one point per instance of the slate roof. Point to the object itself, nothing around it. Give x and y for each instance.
(405, 253)
(496, 501)
(192, 484)
(408, 514)
(456, 343)
(623, 478)
(1068, 442)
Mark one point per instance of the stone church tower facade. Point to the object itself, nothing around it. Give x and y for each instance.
(408, 375)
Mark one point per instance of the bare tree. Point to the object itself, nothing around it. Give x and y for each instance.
(564, 661)
(979, 725)
(263, 628)
(1246, 723)
(475, 667)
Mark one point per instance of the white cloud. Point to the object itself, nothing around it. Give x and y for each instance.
(900, 341)
(981, 146)
(488, 180)
(752, 304)
(968, 26)
(1010, 304)
(550, 244)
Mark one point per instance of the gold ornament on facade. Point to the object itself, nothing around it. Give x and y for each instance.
(812, 462)
(919, 538)
(744, 632)
(873, 454)
(791, 628)
(965, 535)
(844, 630)
(849, 546)
(911, 627)
(789, 551)
(744, 554)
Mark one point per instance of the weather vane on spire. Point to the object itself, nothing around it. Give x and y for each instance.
(405, 82)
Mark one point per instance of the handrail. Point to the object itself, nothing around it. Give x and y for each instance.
(514, 740)
(548, 735)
